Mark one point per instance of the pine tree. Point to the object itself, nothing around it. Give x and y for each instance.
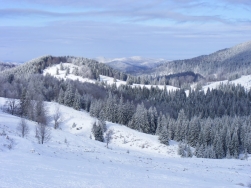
(109, 108)
(200, 152)
(228, 141)
(160, 124)
(163, 137)
(61, 96)
(181, 150)
(189, 152)
(235, 144)
(194, 130)
(181, 126)
(98, 132)
(121, 114)
(219, 152)
(77, 101)
(23, 103)
(152, 119)
(69, 96)
(228, 155)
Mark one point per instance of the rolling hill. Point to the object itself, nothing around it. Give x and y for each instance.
(228, 63)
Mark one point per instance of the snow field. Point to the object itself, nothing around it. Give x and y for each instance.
(133, 159)
(244, 81)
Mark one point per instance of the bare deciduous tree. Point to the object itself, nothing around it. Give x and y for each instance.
(23, 128)
(12, 106)
(108, 137)
(57, 117)
(40, 112)
(43, 133)
(42, 130)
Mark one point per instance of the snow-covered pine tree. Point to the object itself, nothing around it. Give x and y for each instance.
(235, 144)
(189, 152)
(69, 96)
(152, 118)
(181, 126)
(219, 152)
(121, 114)
(194, 130)
(164, 137)
(77, 100)
(61, 96)
(98, 132)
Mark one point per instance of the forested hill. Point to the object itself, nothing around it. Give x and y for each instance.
(36, 66)
(228, 63)
(5, 66)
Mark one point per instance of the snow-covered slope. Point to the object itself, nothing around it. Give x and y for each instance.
(133, 64)
(225, 62)
(72, 159)
(61, 75)
(244, 81)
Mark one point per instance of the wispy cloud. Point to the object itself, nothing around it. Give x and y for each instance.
(138, 15)
(172, 29)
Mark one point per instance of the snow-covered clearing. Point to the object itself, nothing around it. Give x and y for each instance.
(245, 81)
(61, 75)
(72, 159)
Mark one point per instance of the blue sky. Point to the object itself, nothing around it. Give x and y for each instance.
(171, 29)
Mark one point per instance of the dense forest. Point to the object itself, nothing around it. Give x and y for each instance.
(216, 122)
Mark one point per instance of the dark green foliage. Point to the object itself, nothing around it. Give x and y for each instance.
(97, 131)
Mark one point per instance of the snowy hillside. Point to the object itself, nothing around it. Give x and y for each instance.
(73, 159)
(133, 64)
(62, 75)
(222, 64)
(244, 81)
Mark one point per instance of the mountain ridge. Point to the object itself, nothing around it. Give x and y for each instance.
(132, 65)
(222, 64)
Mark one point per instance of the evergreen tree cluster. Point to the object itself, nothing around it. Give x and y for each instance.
(213, 138)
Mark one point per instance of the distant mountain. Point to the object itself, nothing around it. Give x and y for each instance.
(133, 64)
(228, 63)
